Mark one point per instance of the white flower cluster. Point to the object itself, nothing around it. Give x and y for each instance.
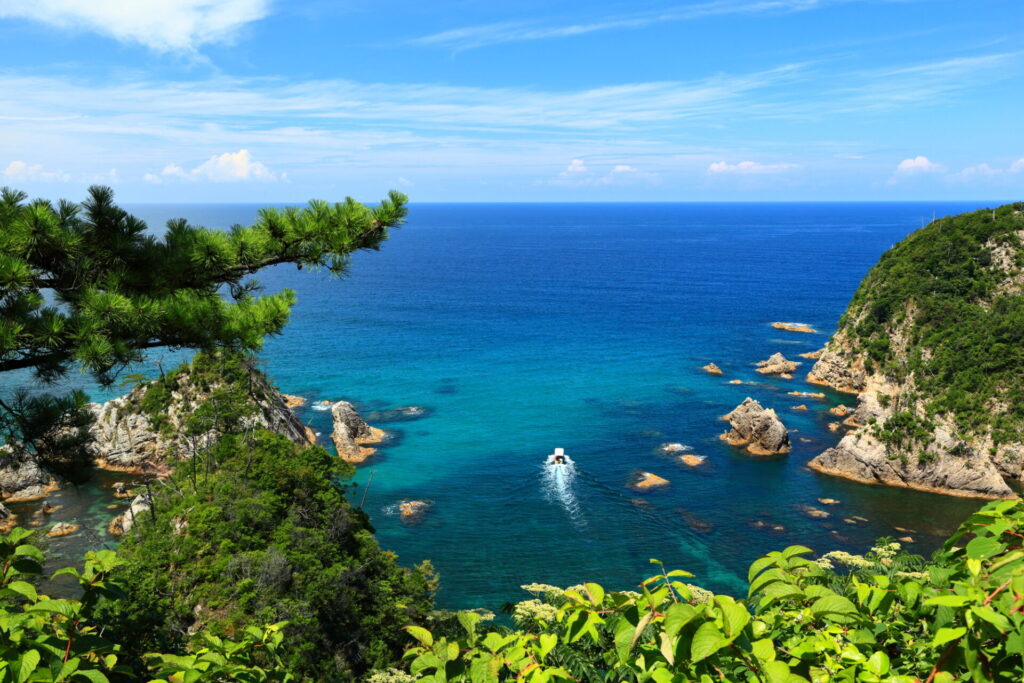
(887, 551)
(829, 560)
(530, 611)
(390, 676)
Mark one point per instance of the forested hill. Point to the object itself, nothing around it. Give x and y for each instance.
(933, 341)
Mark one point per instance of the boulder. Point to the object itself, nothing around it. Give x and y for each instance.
(351, 434)
(123, 523)
(62, 529)
(712, 369)
(777, 364)
(21, 476)
(758, 428)
(692, 460)
(411, 510)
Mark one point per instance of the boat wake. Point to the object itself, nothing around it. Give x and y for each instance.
(558, 476)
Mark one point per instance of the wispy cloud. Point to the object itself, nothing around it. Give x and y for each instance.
(470, 37)
(20, 171)
(162, 25)
(578, 174)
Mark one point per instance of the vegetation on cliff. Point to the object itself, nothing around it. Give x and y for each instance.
(951, 292)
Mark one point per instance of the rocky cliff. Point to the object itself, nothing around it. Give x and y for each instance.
(933, 344)
(351, 435)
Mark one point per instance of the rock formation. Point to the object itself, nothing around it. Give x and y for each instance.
(351, 434)
(926, 419)
(126, 438)
(21, 476)
(758, 428)
(122, 524)
(777, 364)
(712, 369)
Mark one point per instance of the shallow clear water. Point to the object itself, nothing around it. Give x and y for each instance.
(521, 328)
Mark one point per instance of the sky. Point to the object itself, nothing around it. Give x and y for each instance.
(518, 100)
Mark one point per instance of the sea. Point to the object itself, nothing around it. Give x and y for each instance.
(484, 336)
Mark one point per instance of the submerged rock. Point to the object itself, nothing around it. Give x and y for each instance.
(62, 529)
(412, 509)
(692, 460)
(800, 407)
(648, 480)
(777, 364)
(758, 428)
(673, 447)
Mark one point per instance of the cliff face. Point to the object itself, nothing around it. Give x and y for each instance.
(933, 344)
(173, 417)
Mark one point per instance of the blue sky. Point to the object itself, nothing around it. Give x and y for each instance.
(521, 100)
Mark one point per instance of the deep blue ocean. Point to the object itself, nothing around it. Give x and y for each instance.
(524, 327)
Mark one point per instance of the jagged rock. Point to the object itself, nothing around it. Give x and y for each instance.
(840, 410)
(293, 401)
(795, 327)
(8, 520)
(123, 523)
(777, 364)
(758, 428)
(351, 434)
(800, 407)
(124, 438)
(692, 460)
(812, 355)
(712, 369)
(834, 426)
(861, 457)
(21, 476)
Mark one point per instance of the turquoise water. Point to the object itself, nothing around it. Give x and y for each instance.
(520, 328)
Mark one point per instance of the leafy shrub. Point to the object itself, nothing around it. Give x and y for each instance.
(887, 616)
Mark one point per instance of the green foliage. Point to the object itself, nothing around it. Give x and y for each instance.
(888, 617)
(945, 288)
(47, 640)
(254, 530)
(87, 284)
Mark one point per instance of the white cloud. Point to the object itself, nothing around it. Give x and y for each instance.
(917, 165)
(749, 168)
(162, 25)
(578, 174)
(985, 171)
(223, 168)
(19, 170)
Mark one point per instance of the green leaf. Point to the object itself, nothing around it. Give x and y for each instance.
(421, 634)
(878, 663)
(795, 551)
(677, 616)
(984, 547)
(469, 620)
(948, 600)
(945, 635)
(65, 608)
(547, 642)
(735, 615)
(24, 589)
(595, 593)
(834, 607)
(777, 671)
(90, 675)
(23, 667)
(706, 642)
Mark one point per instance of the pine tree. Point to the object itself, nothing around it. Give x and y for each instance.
(88, 285)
